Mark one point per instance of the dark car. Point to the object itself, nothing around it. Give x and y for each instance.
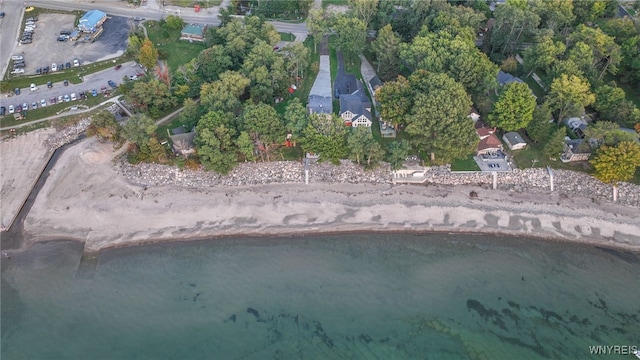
(39, 71)
(45, 70)
(66, 82)
(112, 84)
(17, 91)
(3, 110)
(67, 65)
(65, 32)
(1, 15)
(61, 67)
(18, 108)
(117, 67)
(49, 84)
(62, 38)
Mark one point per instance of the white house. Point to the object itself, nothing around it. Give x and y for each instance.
(355, 109)
(514, 141)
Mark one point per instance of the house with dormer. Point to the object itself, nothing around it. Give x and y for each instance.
(355, 109)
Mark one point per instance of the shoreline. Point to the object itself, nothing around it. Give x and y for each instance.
(87, 199)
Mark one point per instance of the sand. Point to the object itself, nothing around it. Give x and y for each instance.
(85, 199)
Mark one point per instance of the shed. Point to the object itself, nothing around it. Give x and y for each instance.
(91, 21)
(514, 141)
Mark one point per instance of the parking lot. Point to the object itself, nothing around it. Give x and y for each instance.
(95, 81)
(45, 49)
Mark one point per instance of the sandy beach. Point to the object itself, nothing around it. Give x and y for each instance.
(86, 199)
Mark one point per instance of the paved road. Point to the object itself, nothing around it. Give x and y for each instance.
(92, 81)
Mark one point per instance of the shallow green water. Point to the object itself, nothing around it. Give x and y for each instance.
(390, 296)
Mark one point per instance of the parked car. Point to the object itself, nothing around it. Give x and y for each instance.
(67, 65)
(61, 67)
(3, 110)
(62, 38)
(117, 67)
(94, 92)
(76, 62)
(54, 67)
(60, 98)
(52, 100)
(25, 106)
(43, 103)
(103, 88)
(25, 41)
(1, 14)
(49, 84)
(39, 71)
(112, 84)
(66, 83)
(11, 109)
(74, 97)
(17, 57)
(45, 69)
(67, 98)
(16, 91)
(33, 87)
(18, 71)
(65, 32)
(18, 108)
(34, 105)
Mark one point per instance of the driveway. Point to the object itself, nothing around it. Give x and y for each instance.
(92, 81)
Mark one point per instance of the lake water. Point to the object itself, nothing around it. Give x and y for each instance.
(364, 296)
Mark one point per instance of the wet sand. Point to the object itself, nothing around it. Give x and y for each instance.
(85, 199)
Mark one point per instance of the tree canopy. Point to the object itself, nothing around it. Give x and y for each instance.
(616, 163)
(514, 108)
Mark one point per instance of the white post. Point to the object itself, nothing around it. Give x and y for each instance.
(495, 179)
(306, 171)
(615, 193)
(550, 177)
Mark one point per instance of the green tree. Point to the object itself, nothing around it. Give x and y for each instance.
(134, 44)
(214, 139)
(398, 152)
(512, 22)
(357, 142)
(191, 112)
(148, 55)
(174, 22)
(611, 103)
(139, 128)
(569, 95)
(555, 14)
(386, 48)
(104, 126)
(509, 65)
(555, 146)
(212, 62)
(246, 146)
(364, 9)
(157, 152)
(438, 122)
(265, 68)
(318, 25)
(539, 129)
(395, 99)
(295, 118)
(224, 94)
(614, 164)
(607, 133)
(264, 125)
(152, 97)
(296, 60)
(606, 53)
(543, 54)
(351, 34)
(514, 108)
(326, 136)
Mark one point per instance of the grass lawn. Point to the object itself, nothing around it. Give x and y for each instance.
(170, 48)
(525, 159)
(287, 36)
(466, 164)
(192, 3)
(533, 85)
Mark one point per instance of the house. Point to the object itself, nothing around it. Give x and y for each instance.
(575, 150)
(92, 21)
(355, 109)
(577, 124)
(319, 104)
(506, 78)
(489, 142)
(514, 141)
(193, 32)
(183, 144)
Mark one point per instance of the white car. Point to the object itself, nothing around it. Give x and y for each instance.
(73, 97)
(76, 62)
(11, 109)
(33, 87)
(66, 98)
(43, 103)
(54, 67)
(60, 98)
(18, 71)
